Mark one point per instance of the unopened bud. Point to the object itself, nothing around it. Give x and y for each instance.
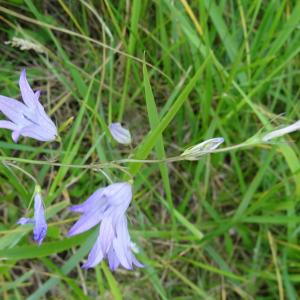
(195, 152)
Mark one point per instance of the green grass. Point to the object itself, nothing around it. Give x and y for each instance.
(176, 73)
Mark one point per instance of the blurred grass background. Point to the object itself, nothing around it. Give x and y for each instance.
(225, 227)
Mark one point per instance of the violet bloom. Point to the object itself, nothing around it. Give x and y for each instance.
(39, 221)
(107, 207)
(120, 134)
(28, 118)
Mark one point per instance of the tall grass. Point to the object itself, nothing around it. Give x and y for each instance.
(176, 73)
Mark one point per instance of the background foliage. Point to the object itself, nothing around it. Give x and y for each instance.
(225, 227)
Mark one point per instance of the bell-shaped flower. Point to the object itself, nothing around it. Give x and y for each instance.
(120, 134)
(107, 208)
(39, 221)
(27, 119)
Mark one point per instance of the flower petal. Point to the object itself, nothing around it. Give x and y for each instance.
(44, 120)
(37, 96)
(136, 262)
(37, 132)
(14, 110)
(15, 135)
(95, 255)
(26, 91)
(94, 200)
(7, 125)
(86, 221)
(119, 194)
(120, 134)
(45, 126)
(106, 234)
(122, 244)
(113, 259)
(24, 221)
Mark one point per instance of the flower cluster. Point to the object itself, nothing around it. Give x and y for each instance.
(106, 208)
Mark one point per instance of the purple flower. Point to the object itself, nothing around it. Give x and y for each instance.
(107, 207)
(39, 221)
(28, 118)
(120, 134)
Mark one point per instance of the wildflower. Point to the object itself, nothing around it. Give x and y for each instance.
(282, 131)
(39, 221)
(194, 152)
(28, 119)
(120, 134)
(107, 208)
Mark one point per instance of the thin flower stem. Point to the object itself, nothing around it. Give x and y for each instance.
(42, 162)
(117, 163)
(6, 163)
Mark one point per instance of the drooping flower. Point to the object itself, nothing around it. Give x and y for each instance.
(39, 221)
(107, 208)
(195, 152)
(27, 119)
(120, 134)
(280, 132)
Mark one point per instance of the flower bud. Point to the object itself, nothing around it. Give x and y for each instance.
(280, 132)
(195, 152)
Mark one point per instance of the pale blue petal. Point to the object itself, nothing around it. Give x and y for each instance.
(26, 91)
(8, 125)
(43, 119)
(122, 244)
(36, 132)
(86, 222)
(118, 213)
(24, 221)
(136, 262)
(113, 259)
(95, 255)
(121, 254)
(14, 110)
(15, 135)
(46, 123)
(94, 200)
(106, 234)
(36, 98)
(119, 194)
